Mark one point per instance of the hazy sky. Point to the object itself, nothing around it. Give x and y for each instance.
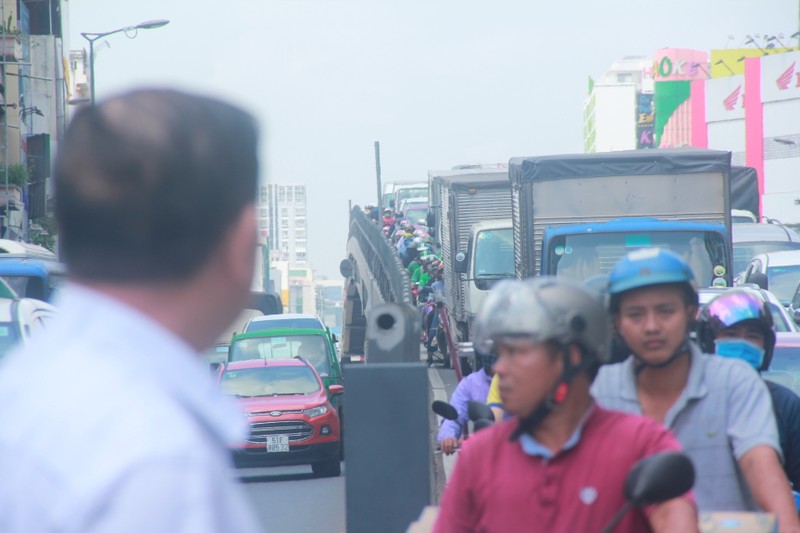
(437, 82)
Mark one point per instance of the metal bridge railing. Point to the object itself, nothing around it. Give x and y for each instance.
(385, 265)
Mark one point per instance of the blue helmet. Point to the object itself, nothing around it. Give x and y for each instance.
(649, 266)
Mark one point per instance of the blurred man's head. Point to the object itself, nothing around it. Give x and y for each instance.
(148, 184)
(156, 189)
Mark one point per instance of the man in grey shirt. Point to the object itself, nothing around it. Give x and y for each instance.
(718, 408)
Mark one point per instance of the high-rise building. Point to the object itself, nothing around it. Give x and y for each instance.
(613, 111)
(282, 219)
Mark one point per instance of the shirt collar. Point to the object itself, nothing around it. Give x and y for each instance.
(533, 448)
(153, 353)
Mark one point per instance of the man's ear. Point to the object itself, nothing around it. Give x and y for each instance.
(615, 324)
(575, 354)
(240, 247)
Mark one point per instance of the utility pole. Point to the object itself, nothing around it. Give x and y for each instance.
(378, 175)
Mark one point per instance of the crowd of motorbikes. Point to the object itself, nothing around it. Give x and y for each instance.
(425, 270)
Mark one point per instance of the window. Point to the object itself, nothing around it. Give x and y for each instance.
(300, 193)
(282, 194)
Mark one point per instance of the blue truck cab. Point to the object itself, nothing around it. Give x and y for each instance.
(32, 277)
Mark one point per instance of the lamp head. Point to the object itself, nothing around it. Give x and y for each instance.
(152, 24)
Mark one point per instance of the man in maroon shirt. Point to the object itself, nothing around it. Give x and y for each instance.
(559, 464)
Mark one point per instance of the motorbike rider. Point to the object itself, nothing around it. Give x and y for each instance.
(540, 469)
(718, 408)
(473, 387)
(738, 324)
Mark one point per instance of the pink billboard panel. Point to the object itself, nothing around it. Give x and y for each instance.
(680, 64)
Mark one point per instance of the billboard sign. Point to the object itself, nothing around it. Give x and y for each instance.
(780, 77)
(645, 121)
(725, 98)
(680, 64)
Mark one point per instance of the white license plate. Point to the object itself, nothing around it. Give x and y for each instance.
(277, 443)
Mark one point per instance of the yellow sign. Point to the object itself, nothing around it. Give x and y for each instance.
(731, 61)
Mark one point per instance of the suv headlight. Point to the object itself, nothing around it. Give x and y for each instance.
(316, 411)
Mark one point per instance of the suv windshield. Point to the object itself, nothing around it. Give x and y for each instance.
(580, 257)
(416, 214)
(782, 281)
(744, 252)
(269, 381)
(494, 254)
(313, 348)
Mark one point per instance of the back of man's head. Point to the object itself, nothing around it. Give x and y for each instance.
(148, 183)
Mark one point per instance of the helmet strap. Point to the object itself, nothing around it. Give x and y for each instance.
(640, 364)
(555, 398)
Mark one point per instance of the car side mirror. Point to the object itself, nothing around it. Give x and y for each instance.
(796, 316)
(336, 390)
(334, 338)
(461, 265)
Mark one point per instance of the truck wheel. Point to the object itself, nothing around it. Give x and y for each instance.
(332, 468)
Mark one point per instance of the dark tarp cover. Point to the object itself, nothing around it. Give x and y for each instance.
(744, 189)
(624, 163)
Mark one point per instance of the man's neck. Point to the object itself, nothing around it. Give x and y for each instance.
(659, 388)
(555, 430)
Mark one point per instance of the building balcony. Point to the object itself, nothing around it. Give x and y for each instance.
(10, 48)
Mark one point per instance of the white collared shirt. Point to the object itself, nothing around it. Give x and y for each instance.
(111, 423)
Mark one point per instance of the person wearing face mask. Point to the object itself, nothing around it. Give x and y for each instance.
(738, 324)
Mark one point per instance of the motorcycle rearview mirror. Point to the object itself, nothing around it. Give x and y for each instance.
(479, 410)
(445, 410)
(659, 478)
(461, 265)
(655, 479)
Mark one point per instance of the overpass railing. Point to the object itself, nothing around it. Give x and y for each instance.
(384, 264)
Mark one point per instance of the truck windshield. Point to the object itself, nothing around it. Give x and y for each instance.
(494, 254)
(406, 193)
(583, 256)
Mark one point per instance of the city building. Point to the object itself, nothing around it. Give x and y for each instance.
(33, 103)
(745, 101)
(330, 303)
(619, 108)
(282, 220)
(751, 108)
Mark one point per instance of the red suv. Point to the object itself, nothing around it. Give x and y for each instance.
(291, 418)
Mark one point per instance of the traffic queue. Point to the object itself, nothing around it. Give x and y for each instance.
(643, 294)
(689, 380)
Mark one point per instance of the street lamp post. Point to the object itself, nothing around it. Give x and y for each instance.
(92, 37)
